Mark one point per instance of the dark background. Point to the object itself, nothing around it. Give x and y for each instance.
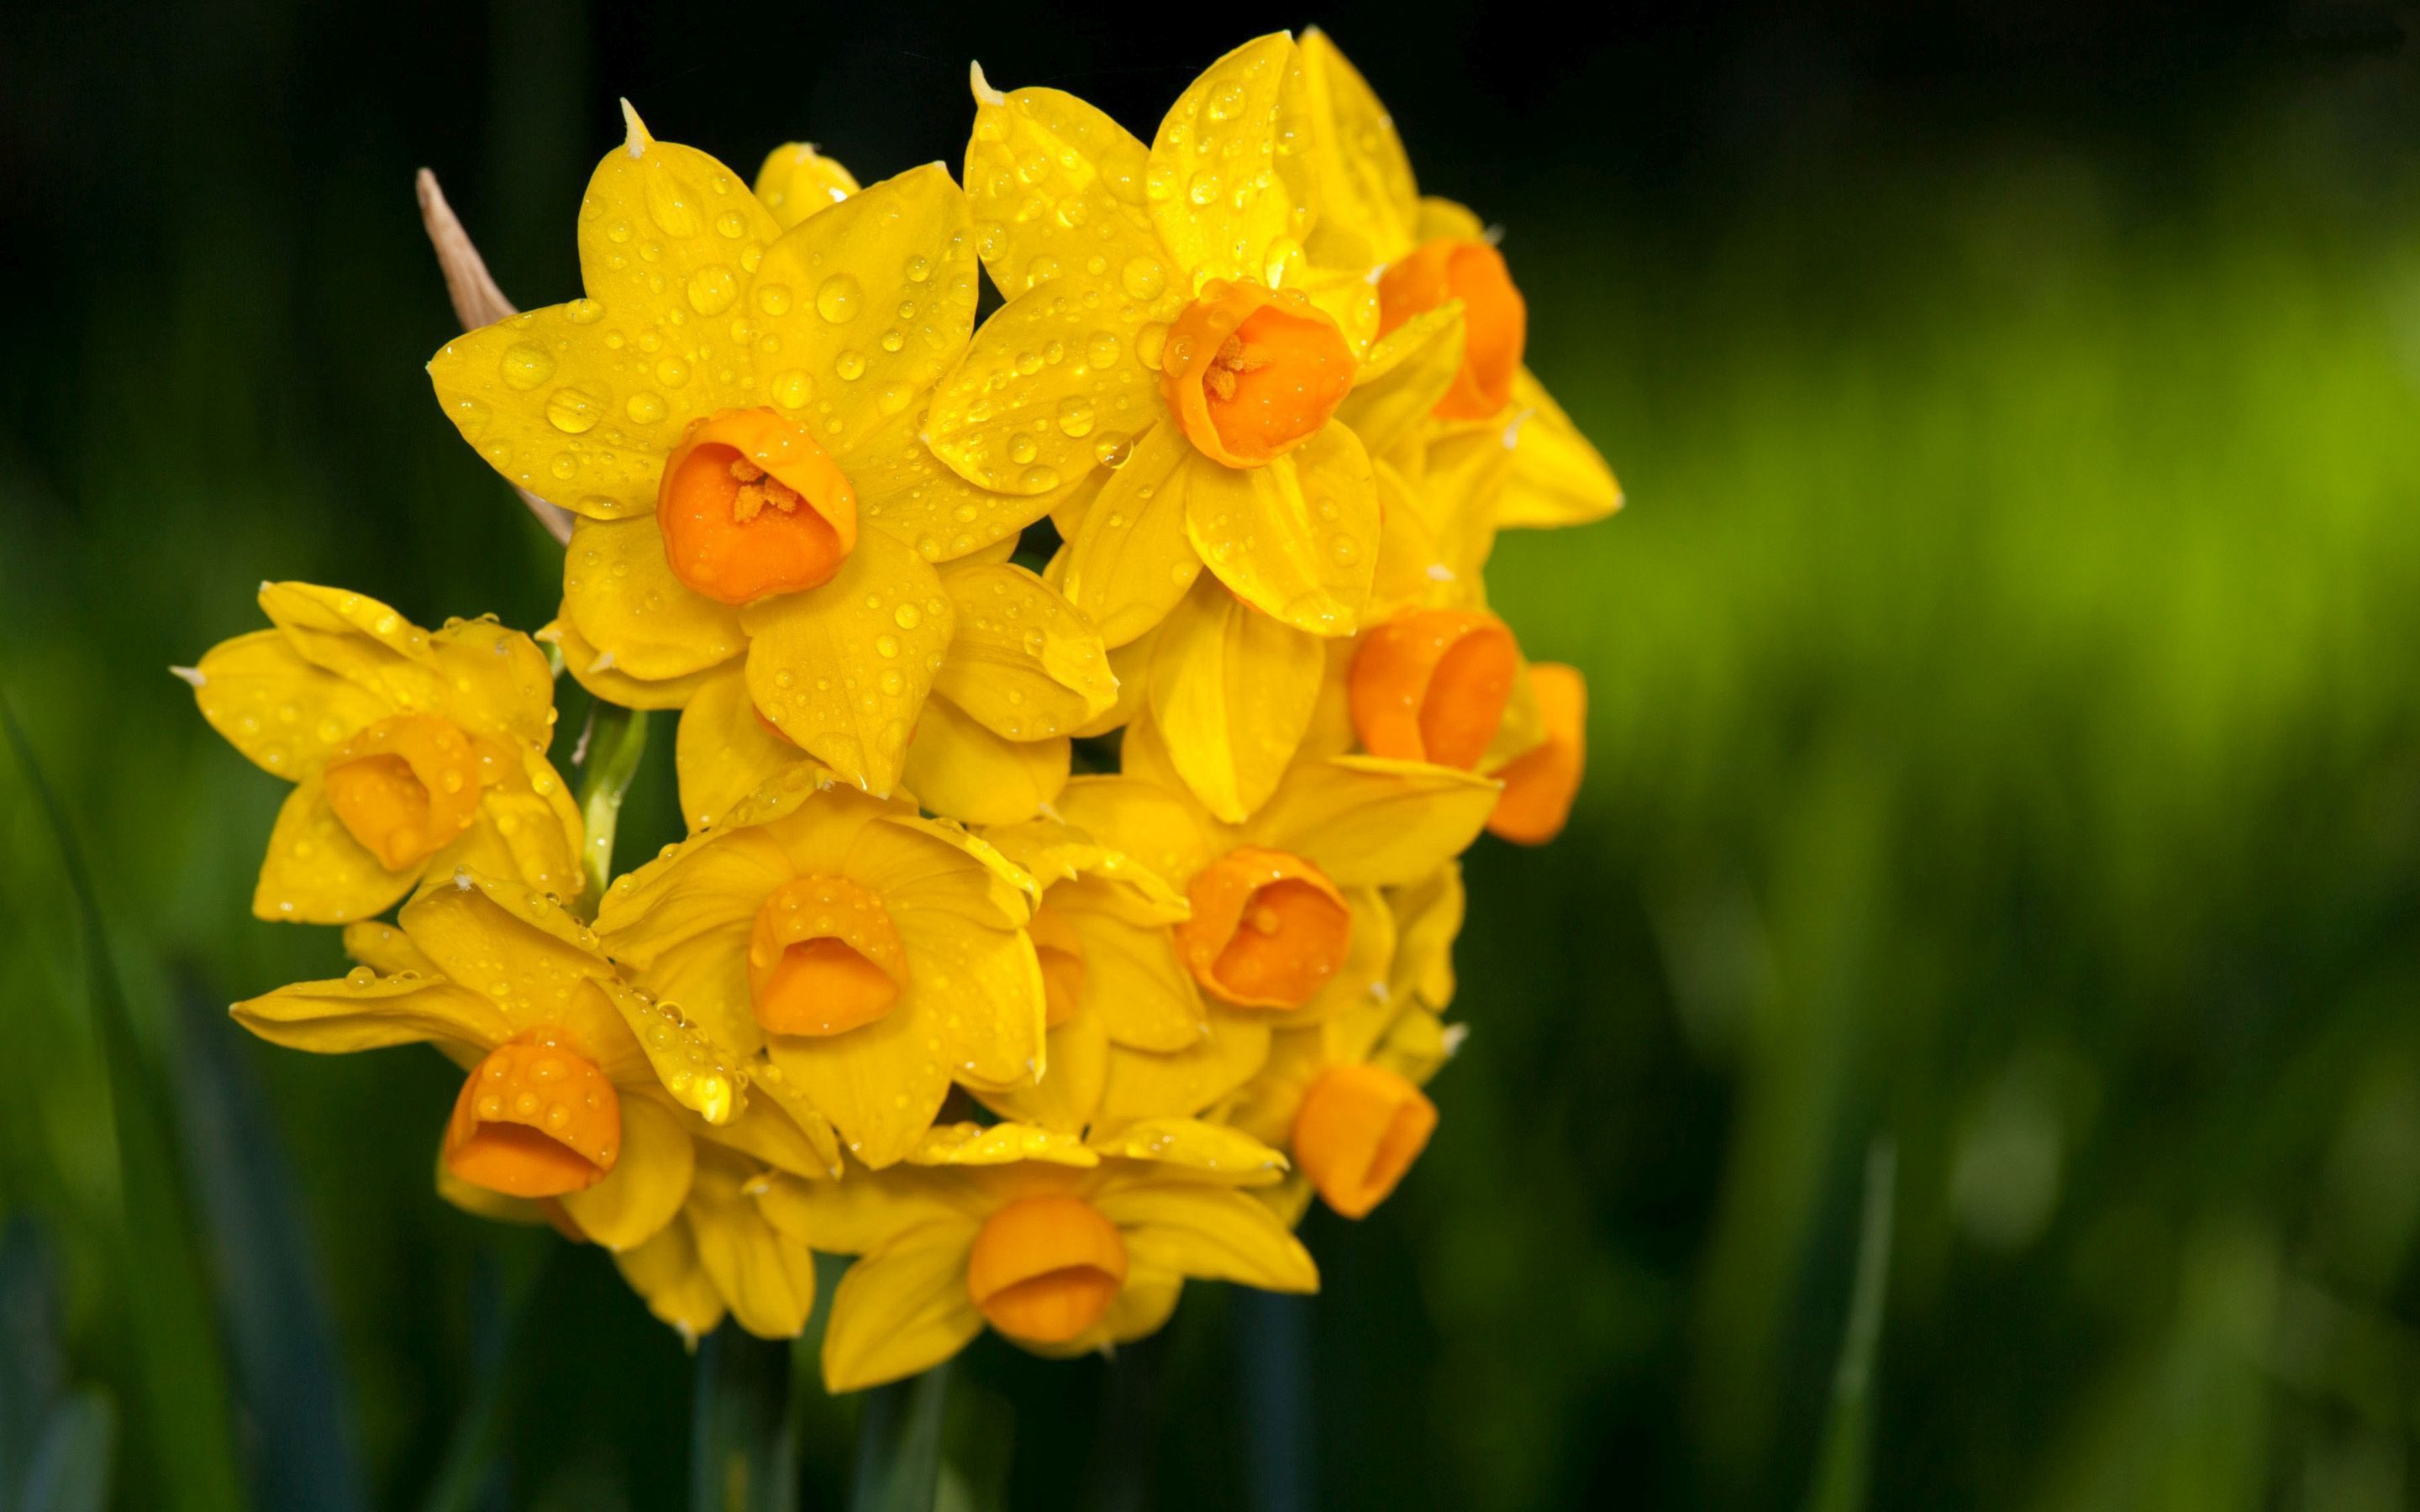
(2005, 746)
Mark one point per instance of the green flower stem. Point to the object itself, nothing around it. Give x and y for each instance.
(616, 743)
(743, 1449)
(899, 1444)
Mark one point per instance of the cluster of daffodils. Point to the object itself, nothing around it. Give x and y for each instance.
(1083, 713)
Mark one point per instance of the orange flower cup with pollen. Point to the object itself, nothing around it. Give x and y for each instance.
(823, 958)
(1358, 1129)
(1268, 929)
(1045, 1269)
(1430, 685)
(405, 787)
(534, 1120)
(1494, 317)
(1252, 373)
(749, 506)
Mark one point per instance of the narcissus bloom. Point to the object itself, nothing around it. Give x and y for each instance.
(875, 956)
(720, 1255)
(1163, 323)
(1425, 254)
(579, 1092)
(1061, 1247)
(991, 744)
(411, 753)
(734, 410)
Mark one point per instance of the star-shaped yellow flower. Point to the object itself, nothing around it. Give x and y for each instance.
(1424, 254)
(735, 411)
(412, 752)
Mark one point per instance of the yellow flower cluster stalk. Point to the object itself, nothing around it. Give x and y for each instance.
(1035, 1047)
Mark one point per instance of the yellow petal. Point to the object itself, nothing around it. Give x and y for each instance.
(1164, 829)
(1227, 202)
(1231, 691)
(1049, 387)
(723, 752)
(536, 964)
(526, 827)
(620, 596)
(316, 872)
(877, 295)
(1265, 1107)
(699, 1071)
(866, 1209)
(1557, 477)
(902, 487)
(1354, 1004)
(766, 1277)
(1428, 916)
(1366, 191)
(902, 1307)
(1212, 1149)
(957, 767)
(1130, 664)
(1296, 538)
(385, 950)
(1407, 372)
(1146, 1084)
(1131, 558)
(797, 181)
(480, 675)
(596, 672)
(1057, 187)
(819, 667)
(777, 1129)
(1021, 659)
(1417, 1046)
(1133, 982)
(668, 1276)
(647, 1184)
(1208, 1232)
(878, 1084)
(1441, 217)
(337, 1017)
(1369, 821)
(998, 1144)
(972, 978)
(284, 713)
(1143, 754)
(1069, 1092)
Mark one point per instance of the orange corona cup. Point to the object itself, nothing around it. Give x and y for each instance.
(1358, 1129)
(1430, 685)
(1252, 373)
(1540, 785)
(1268, 929)
(751, 506)
(1494, 319)
(1045, 1267)
(534, 1120)
(823, 958)
(405, 787)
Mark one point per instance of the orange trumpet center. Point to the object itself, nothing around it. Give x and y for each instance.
(1045, 1267)
(1494, 319)
(1539, 784)
(823, 958)
(1252, 373)
(1430, 685)
(1062, 955)
(405, 787)
(1268, 929)
(534, 1120)
(751, 506)
(1357, 1132)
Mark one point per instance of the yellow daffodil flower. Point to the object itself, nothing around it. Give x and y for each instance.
(1425, 254)
(1163, 323)
(1061, 1247)
(411, 753)
(581, 1093)
(872, 955)
(721, 1255)
(734, 411)
(991, 745)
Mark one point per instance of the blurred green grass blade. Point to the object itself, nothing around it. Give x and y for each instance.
(616, 743)
(70, 1467)
(499, 1319)
(743, 1454)
(899, 1444)
(296, 1397)
(1842, 1472)
(174, 1340)
(31, 1363)
(1273, 1371)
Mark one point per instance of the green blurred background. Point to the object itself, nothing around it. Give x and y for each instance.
(2005, 753)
